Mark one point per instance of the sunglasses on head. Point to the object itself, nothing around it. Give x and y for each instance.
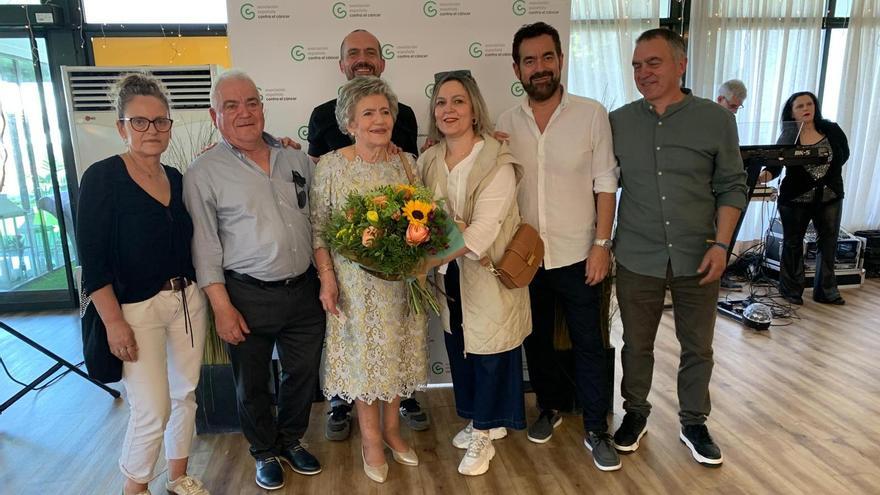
(460, 73)
(300, 182)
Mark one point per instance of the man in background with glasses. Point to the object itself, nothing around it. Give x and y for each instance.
(252, 251)
(731, 95)
(360, 54)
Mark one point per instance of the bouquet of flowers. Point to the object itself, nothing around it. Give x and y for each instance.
(390, 231)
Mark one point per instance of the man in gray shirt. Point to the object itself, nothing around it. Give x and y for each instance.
(683, 188)
(252, 253)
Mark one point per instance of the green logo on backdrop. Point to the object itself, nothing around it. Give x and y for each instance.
(430, 8)
(339, 10)
(429, 90)
(519, 7)
(475, 49)
(437, 367)
(516, 89)
(303, 132)
(388, 52)
(247, 11)
(297, 53)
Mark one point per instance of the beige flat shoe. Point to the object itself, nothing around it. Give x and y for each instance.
(408, 458)
(376, 473)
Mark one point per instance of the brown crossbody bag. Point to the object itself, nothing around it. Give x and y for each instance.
(521, 258)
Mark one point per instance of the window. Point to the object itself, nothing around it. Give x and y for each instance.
(155, 12)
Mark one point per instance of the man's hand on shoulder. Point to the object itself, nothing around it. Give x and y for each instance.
(289, 143)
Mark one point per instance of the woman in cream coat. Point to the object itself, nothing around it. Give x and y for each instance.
(487, 323)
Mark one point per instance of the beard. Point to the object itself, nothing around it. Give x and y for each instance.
(351, 72)
(543, 91)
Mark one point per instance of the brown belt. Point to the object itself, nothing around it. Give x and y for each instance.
(176, 284)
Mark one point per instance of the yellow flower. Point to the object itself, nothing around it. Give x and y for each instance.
(407, 190)
(417, 211)
(372, 216)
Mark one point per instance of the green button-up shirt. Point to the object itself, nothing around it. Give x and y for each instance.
(676, 170)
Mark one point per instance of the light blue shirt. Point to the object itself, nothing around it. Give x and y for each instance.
(245, 220)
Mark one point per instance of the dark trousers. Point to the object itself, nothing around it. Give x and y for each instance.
(488, 388)
(795, 219)
(292, 319)
(551, 375)
(640, 299)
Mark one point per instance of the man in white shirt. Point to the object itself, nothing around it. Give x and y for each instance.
(568, 194)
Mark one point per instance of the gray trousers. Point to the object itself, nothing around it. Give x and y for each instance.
(640, 298)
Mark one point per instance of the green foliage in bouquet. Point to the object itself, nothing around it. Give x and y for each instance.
(389, 232)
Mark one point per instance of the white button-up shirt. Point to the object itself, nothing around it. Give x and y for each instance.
(563, 166)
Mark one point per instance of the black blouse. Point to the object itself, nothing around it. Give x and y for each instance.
(798, 180)
(127, 238)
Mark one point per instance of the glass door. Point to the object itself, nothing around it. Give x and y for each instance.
(37, 249)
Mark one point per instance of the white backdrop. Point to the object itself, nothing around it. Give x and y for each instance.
(291, 50)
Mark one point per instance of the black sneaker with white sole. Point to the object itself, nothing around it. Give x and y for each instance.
(702, 447)
(631, 430)
(542, 429)
(604, 455)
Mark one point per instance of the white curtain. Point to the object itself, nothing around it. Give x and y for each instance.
(603, 36)
(774, 47)
(859, 116)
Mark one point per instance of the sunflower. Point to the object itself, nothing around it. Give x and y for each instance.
(417, 211)
(408, 190)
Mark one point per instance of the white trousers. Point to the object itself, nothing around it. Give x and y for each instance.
(161, 384)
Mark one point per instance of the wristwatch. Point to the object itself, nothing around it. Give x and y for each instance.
(605, 243)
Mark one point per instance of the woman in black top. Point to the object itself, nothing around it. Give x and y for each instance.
(134, 236)
(813, 192)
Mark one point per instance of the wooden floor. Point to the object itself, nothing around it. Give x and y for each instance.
(795, 410)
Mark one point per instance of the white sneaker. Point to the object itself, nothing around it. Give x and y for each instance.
(186, 485)
(480, 451)
(462, 439)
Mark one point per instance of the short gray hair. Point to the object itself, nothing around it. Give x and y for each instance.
(673, 39)
(482, 123)
(232, 74)
(733, 88)
(357, 89)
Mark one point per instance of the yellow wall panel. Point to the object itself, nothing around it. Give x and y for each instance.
(171, 50)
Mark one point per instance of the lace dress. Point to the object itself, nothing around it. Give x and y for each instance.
(378, 349)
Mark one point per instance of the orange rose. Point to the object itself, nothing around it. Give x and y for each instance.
(380, 201)
(417, 234)
(349, 214)
(368, 237)
(396, 215)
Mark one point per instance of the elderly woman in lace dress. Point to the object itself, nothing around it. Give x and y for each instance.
(375, 350)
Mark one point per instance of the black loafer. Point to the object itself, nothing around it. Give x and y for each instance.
(794, 299)
(270, 473)
(300, 460)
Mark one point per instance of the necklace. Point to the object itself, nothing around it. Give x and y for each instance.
(150, 175)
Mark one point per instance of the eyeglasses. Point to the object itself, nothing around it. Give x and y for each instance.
(460, 73)
(141, 124)
(730, 105)
(300, 182)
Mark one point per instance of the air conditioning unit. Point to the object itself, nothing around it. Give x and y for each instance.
(93, 119)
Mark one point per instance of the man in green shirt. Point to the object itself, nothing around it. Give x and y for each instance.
(683, 189)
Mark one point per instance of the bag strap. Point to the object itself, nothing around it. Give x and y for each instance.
(406, 168)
